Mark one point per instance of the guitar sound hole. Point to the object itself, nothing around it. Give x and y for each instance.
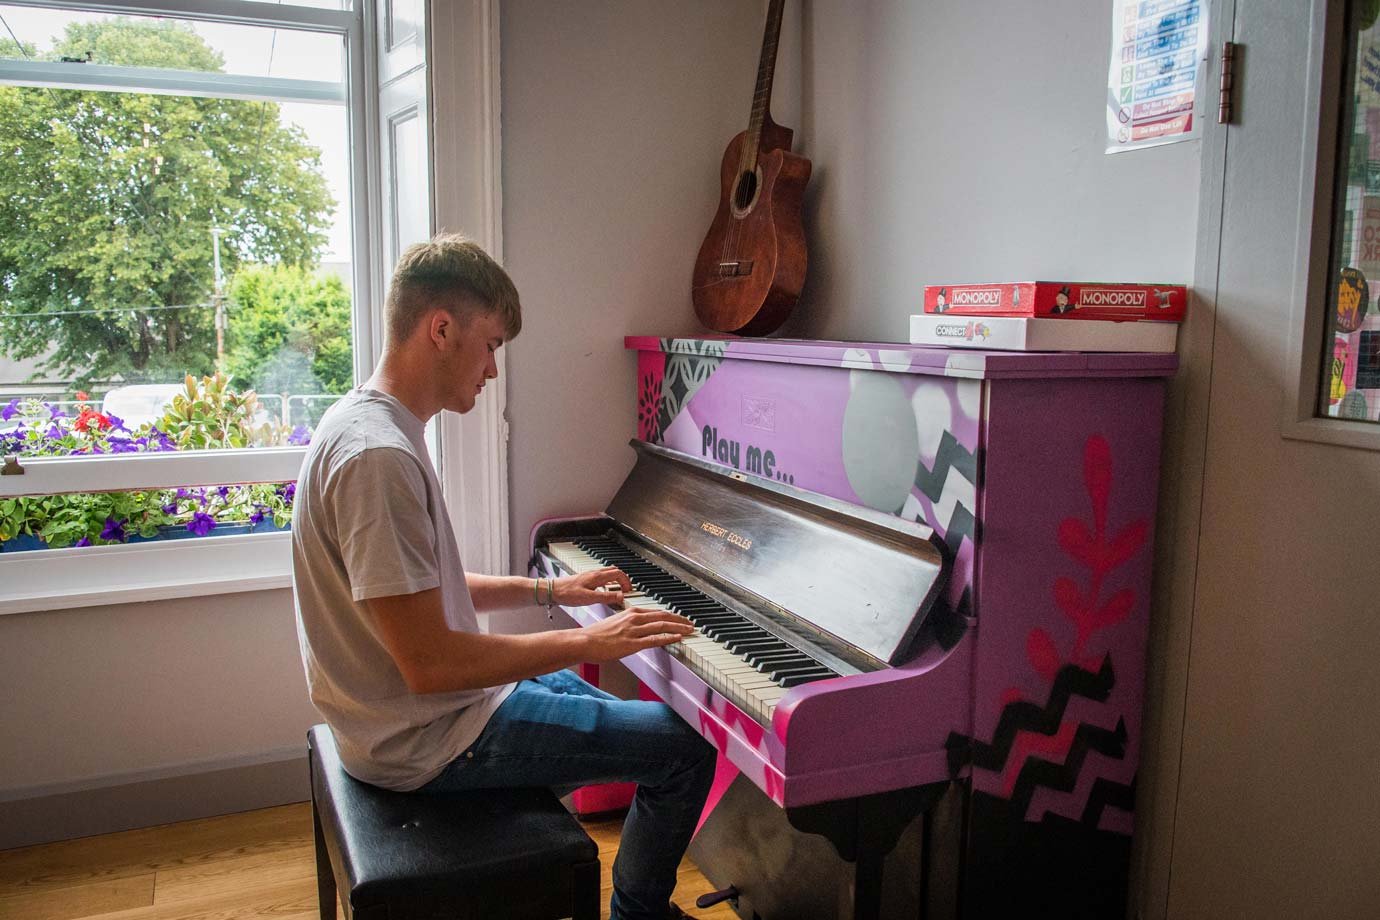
(747, 190)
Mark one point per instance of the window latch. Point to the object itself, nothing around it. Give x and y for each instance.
(12, 467)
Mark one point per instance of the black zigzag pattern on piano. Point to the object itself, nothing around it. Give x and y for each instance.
(951, 455)
(961, 524)
(1062, 777)
(949, 624)
(1109, 792)
(1023, 715)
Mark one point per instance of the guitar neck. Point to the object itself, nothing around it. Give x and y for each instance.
(761, 98)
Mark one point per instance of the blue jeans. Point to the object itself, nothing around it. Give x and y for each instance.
(558, 731)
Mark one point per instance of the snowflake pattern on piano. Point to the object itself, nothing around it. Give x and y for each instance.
(689, 363)
(649, 408)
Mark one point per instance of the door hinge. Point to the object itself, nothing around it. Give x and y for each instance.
(1226, 111)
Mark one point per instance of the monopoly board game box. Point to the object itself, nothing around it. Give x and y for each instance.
(1071, 299)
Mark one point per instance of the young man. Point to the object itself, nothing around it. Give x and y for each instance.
(418, 699)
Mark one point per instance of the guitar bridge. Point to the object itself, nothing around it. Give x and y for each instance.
(735, 269)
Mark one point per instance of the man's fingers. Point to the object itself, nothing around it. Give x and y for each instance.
(656, 629)
(611, 575)
(652, 614)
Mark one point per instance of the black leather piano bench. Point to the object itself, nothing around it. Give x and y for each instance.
(514, 853)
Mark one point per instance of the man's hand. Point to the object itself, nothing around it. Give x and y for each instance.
(600, 586)
(633, 630)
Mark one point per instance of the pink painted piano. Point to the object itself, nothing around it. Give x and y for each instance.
(921, 582)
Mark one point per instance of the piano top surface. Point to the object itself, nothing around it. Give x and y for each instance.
(899, 357)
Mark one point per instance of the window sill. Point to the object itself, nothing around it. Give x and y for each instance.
(98, 576)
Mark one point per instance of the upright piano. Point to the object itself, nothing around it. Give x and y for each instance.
(920, 580)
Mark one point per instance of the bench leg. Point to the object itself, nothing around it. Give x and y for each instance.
(325, 877)
(585, 880)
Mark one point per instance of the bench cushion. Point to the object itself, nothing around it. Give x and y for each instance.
(395, 846)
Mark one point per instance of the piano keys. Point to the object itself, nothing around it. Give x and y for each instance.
(736, 655)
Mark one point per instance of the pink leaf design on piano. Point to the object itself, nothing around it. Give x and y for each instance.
(1126, 543)
(1097, 475)
(1043, 655)
(1117, 608)
(1078, 541)
(1069, 600)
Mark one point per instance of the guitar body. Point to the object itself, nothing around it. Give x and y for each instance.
(752, 263)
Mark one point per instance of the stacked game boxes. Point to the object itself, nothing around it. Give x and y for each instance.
(1052, 316)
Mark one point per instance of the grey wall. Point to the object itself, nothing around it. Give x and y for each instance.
(100, 697)
(615, 117)
(959, 141)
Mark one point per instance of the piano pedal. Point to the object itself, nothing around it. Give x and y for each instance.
(705, 901)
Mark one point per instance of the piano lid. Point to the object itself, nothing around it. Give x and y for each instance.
(866, 578)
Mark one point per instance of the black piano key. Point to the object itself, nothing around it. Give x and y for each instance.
(765, 644)
(813, 667)
(774, 669)
(720, 633)
(795, 680)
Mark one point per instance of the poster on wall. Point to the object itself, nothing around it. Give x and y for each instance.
(1154, 80)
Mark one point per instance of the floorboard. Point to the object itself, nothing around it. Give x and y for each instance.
(258, 865)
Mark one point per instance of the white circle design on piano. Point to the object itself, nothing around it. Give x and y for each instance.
(880, 441)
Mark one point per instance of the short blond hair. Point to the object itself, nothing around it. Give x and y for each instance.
(453, 273)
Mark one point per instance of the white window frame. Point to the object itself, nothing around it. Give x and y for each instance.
(1309, 300)
(465, 194)
(463, 45)
(95, 576)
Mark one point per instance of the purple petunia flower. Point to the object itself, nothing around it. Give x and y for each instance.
(84, 541)
(11, 409)
(300, 436)
(122, 445)
(182, 493)
(258, 514)
(288, 491)
(201, 523)
(116, 423)
(55, 412)
(224, 492)
(113, 530)
(169, 508)
(55, 432)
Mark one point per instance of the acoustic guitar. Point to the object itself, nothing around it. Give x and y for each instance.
(751, 265)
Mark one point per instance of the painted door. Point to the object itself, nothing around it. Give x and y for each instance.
(1278, 807)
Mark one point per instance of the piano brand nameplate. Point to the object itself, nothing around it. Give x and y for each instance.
(864, 578)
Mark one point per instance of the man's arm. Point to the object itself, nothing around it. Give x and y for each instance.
(510, 592)
(435, 659)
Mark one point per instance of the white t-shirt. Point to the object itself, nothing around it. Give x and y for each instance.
(368, 521)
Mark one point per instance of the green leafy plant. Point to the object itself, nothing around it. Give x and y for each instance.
(211, 415)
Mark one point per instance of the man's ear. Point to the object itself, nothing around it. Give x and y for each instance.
(441, 328)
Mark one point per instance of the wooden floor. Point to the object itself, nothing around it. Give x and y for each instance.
(253, 865)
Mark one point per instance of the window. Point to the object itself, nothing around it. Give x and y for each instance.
(180, 251)
(1351, 363)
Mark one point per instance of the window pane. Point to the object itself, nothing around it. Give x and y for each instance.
(165, 42)
(173, 270)
(1351, 360)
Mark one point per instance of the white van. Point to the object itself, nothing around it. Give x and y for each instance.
(140, 402)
